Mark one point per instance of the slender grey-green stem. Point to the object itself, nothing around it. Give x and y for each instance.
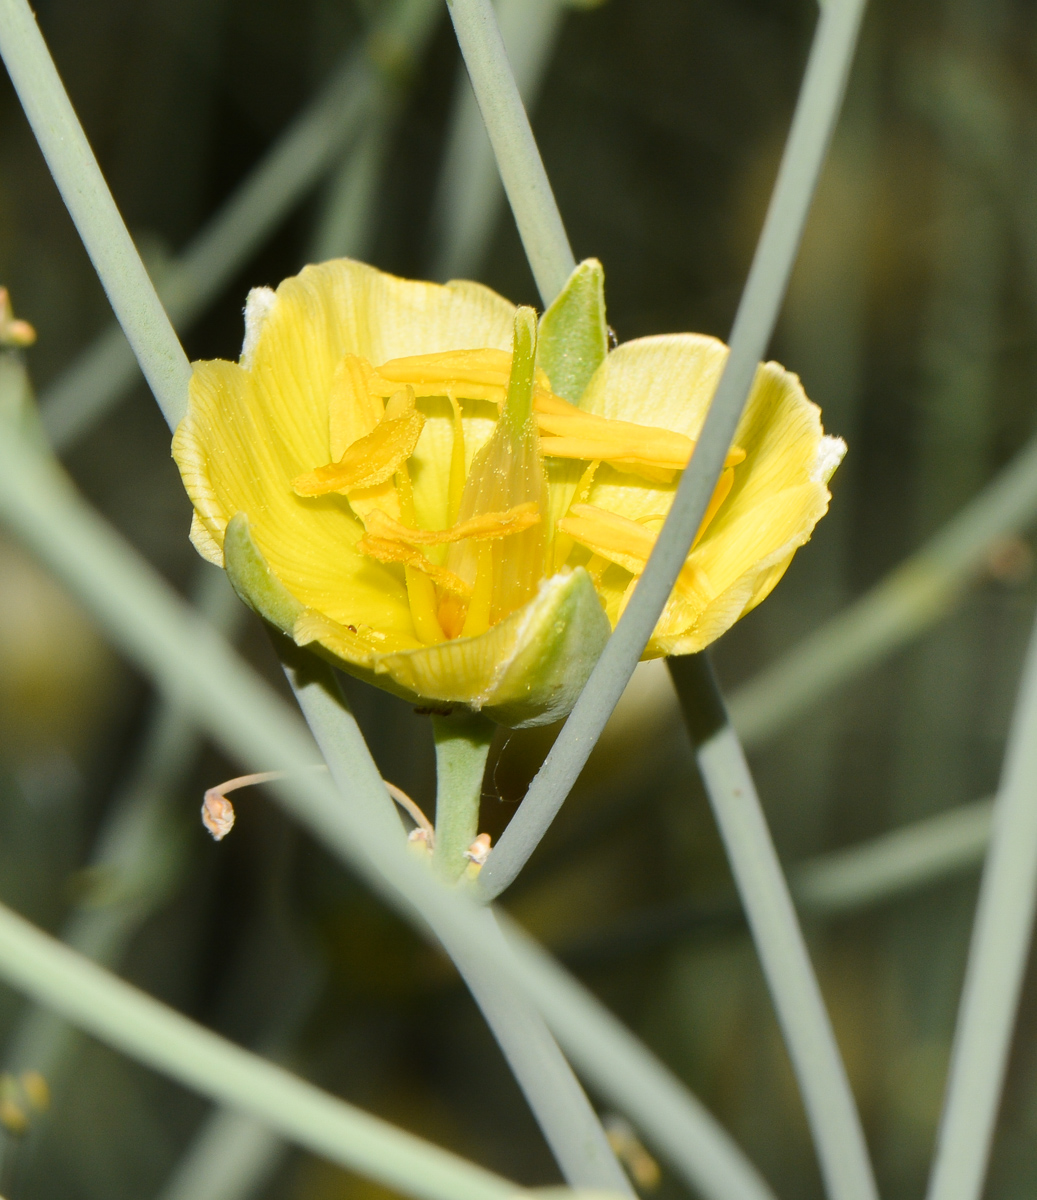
(197, 669)
(518, 158)
(831, 1110)
(361, 89)
(92, 208)
(1001, 938)
(906, 602)
(569, 1123)
(130, 1021)
(816, 111)
(468, 194)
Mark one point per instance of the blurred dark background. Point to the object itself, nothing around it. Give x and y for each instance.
(911, 319)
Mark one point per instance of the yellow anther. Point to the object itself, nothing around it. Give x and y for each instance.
(482, 528)
(471, 374)
(372, 459)
(629, 543)
(388, 551)
(568, 432)
(353, 408)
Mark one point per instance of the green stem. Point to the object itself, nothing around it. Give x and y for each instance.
(462, 744)
(1001, 939)
(468, 192)
(521, 167)
(134, 1023)
(831, 1110)
(93, 210)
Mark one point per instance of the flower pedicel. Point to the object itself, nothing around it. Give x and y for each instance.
(455, 504)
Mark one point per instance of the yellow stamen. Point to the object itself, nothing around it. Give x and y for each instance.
(388, 551)
(421, 589)
(562, 542)
(571, 433)
(353, 409)
(482, 528)
(478, 619)
(457, 464)
(629, 543)
(372, 459)
(620, 540)
(475, 374)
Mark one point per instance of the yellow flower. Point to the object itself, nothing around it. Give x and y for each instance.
(403, 475)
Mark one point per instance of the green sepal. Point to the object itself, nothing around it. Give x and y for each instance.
(546, 675)
(574, 338)
(253, 580)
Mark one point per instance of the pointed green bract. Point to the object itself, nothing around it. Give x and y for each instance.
(518, 409)
(574, 339)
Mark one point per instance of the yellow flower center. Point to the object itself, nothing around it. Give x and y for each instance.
(497, 545)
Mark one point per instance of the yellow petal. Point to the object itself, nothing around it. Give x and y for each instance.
(777, 493)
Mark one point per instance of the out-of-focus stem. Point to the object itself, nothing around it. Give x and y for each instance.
(518, 159)
(469, 191)
(134, 1023)
(344, 227)
(904, 860)
(1001, 938)
(229, 1159)
(139, 854)
(92, 208)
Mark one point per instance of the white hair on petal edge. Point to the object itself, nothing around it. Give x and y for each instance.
(829, 455)
(258, 307)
